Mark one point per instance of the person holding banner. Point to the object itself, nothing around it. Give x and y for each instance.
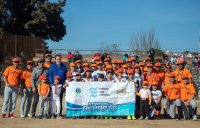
(145, 100)
(130, 79)
(68, 80)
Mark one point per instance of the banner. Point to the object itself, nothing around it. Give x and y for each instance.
(100, 98)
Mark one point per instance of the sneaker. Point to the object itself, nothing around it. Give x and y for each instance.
(29, 115)
(40, 117)
(52, 116)
(147, 118)
(119, 118)
(74, 117)
(101, 117)
(22, 116)
(110, 117)
(3, 116)
(195, 117)
(106, 117)
(141, 118)
(129, 118)
(12, 116)
(98, 117)
(178, 119)
(133, 118)
(58, 117)
(92, 117)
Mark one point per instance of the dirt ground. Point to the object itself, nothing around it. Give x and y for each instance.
(92, 123)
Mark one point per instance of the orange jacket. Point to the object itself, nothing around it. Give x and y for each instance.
(173, 91)
(187, 91)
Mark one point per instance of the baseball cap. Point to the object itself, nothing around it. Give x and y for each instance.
(93, 65)
(136, 66)
(130, 72)
(16, 59)
(85, 64)
(29, 62)
(107, 59)
(115, 62)
(69, 74)
(157, 64)
(145, 83)
(154, 83)
(57, 77)
(149, 65)
(78, 74)
(142, 64)
(42, 77)
(120, 70)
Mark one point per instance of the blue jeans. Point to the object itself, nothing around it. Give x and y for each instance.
(26, 96)
(10, 93)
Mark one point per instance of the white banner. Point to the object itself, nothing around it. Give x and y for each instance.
(100, 98)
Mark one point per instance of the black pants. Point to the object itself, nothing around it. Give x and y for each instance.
(137, 112)
(144, 107)
(35, 102)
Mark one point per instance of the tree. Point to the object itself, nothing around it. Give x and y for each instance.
(144, 41)
(37, 18)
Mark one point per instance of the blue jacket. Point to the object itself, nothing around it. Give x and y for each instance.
(54, 70)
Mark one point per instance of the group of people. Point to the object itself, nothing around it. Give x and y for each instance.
(47, 82)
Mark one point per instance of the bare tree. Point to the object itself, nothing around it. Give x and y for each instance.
(144, 41)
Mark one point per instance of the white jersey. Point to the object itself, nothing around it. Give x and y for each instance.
(155, 95)
(96, 73)
(144, 93)
(56, 91)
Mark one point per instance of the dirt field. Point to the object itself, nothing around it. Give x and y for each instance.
(92, 123)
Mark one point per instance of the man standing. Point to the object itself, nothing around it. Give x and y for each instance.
(77, 56)
(151, 53)
(181, 70)
(12, 76)
(57, 68)
(37, 72)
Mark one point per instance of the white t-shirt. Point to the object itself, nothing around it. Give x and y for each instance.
(144, 93)
(155, 95)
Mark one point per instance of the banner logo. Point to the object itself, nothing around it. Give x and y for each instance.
(93, 92)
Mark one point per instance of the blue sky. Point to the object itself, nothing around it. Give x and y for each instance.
(90, 22)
